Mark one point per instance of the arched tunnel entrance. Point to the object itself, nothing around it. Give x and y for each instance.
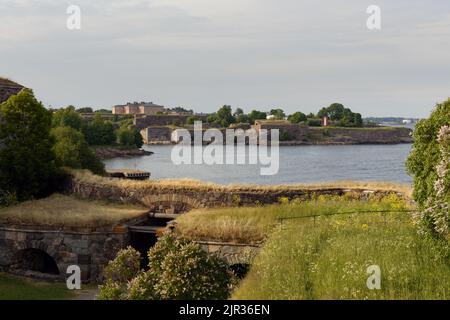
(35, 260)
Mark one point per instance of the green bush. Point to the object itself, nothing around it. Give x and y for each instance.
(178, 269)
(71, 150)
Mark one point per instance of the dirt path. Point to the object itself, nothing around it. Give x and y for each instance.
(86, 294)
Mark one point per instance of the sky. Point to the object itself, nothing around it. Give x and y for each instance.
(300, 55)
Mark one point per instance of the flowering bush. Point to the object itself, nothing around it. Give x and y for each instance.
(436, 216)
(178, 269)
(429, 163)
(426, 154)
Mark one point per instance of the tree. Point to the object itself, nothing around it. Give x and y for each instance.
(67, 117)
(26, 156)
(343, 117)
(425, 154)
(71, 150)
(256, 115)
(224, 116)
(85, 110)
(297, 117)
(278, 113)
(99, 131)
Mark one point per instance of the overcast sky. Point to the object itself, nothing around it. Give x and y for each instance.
(300, 55)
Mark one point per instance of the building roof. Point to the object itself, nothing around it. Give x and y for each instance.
(5, 82)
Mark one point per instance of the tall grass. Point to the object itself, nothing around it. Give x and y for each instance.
(328, 259)
(65, 211)
(85, 176)
(254, 224)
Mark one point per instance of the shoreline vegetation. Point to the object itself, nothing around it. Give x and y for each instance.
(111, 152)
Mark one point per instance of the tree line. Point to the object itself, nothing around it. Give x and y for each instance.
(35, 143)
(338, 115)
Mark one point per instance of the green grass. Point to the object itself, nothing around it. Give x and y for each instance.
(328, 259)
(16, 288)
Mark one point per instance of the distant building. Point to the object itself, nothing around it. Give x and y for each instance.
(325, 122)
(270, 117)
(145, 108)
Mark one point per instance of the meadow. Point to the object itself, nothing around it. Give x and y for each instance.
(321, 249)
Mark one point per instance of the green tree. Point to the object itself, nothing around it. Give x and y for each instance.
(26, 157)
(85, 110)
(297, 117)
(224, 116)
(425, 154)
(278, 113)
(67, 117)
(126, 136)
(99, 131)
(256, 115)
(71, 150)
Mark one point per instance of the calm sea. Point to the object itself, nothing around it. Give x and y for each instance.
(298, 164)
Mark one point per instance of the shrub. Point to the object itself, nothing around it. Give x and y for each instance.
(425, 155)
(71, 150)
(178, 269)
(184, 271)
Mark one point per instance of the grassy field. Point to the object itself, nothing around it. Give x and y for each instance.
(16, 288)
(321, 249)
(64, 211)
(254, 224)
(327, 258)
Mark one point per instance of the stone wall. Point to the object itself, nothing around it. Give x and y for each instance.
(157, 134)
(231, 253)
(91, 251)
(183, 198)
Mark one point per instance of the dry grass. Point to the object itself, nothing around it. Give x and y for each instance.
(87, 177)
(68, 212)
(254, 224)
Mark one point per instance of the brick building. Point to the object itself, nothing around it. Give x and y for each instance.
(146, 108)
(8, 88)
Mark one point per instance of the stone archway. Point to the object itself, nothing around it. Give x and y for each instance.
(36, 260)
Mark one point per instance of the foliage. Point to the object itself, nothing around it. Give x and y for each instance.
(314, 122)
(297, 117)
(126, 136)
(343, 117)
(178, 269)
(71, 150)
(278, 113)
(256, 115)
(286, 136)
(26, 157)
(435, 219)
(67, 117)
(7, 199)
(85, 110)
(225, 117)
(99, 131)
(327, 258)
(425, 155)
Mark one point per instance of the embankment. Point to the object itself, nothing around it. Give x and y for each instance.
(175, 196)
